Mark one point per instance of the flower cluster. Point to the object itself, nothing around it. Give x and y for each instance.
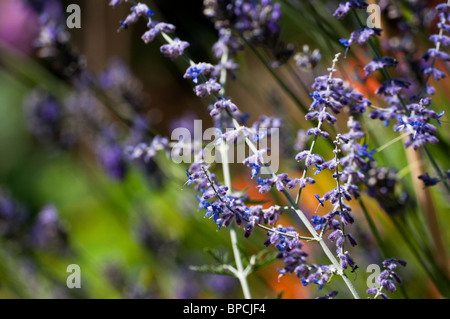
(106, 116)
(387, 279)
(440, 40)
(415, 117)
(417, 124)
(383, 185)
(257, 22)
(307, 59)
(345, 7)
(43, 231)
(45, 119)
(91, 108)
(431, 181)
(173, 49)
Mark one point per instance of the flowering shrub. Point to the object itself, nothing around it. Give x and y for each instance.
(325, 194)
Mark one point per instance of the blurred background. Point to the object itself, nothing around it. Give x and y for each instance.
(67, 195)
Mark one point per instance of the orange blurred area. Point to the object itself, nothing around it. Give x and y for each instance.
(242, 182)
(364, 85)
(289, 285)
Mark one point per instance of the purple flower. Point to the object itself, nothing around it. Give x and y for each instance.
(115, 3)
(174, 49)
(381, 63)
(193, 72)
(418, 124)
(257, 22)
(47, 231)
(345, 7)
(155, 28)
(255, 169)
(433, 53)
(318, 222)
(361, 36)
(318, 132)
(330, 295)
(442, 39)
(223, 104)
(317, 196)
(280, 181)
(307, 60)
(209, 87)
(387, 278)
(111, 156)
(142, 10)
(392, 87)
(443, 7)
(437, 74)
(427, 180)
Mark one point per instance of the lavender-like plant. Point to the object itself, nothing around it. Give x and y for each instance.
(312, 228)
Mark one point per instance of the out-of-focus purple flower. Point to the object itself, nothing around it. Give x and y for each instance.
(427, 180)
(147, 151)
(255, 21)
(186, 120)
(12, 215)
(435, 72)
(330, 295)
(361, 36)
(45, 117)
(382, 184)
(393, 87)
(48, 231)
(345, 7)
(222, 285)
(307, 59)
(111, 155)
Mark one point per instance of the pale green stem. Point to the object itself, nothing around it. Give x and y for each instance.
(240, 273)
(319, 125)
(398, 138)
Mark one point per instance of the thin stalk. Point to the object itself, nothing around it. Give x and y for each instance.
(398, 138)
(241, 274)
(319, 125)
(323, 245)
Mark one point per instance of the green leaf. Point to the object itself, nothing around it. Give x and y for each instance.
(222, 257)
(211, 269)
